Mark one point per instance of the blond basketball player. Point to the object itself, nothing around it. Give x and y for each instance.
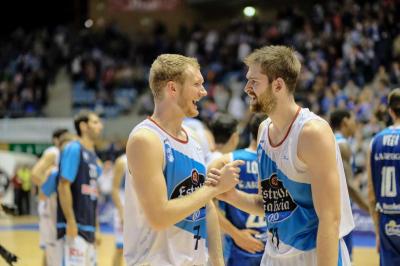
(168, 213)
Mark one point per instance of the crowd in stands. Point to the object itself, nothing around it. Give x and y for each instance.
(350, 54)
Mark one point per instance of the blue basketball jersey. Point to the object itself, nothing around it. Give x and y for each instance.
(249, 184)
(385, 170)
(80, 167)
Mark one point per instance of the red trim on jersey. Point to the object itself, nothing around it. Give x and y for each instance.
(287, 133)
(179, 140)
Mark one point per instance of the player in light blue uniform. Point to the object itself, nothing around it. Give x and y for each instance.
(245, 232)
(78, 192)
(384, 185)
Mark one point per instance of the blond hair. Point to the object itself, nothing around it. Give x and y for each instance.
(277, 61)
(169, 67)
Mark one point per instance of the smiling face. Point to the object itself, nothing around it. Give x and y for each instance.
(191, 91)
(259, 89)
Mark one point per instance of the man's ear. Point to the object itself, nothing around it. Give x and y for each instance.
(278, 84)
(171, 87)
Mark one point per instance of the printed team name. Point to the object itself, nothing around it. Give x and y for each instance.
(391, 140)
(90, 190)
(387, 156)
(189, 185)
(278, 203)
(248, 185)
(392, 208)
(184, 191)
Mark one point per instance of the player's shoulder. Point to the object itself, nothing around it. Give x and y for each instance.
(73, 145)
(315, 128)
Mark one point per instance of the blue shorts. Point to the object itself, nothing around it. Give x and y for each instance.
(235, 256)
(389, 235)
(348, 239)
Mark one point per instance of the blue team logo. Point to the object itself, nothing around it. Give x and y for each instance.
(187, 187)
(278, 203)
(392, 228)
(168, 151)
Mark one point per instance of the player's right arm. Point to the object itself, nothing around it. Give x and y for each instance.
(39, 170)
(145, 161)
(354, 193)
(68, 170)
(372, 199)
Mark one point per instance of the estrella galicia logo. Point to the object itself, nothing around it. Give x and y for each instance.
(278, 203)
(187, 187)
(195, 177)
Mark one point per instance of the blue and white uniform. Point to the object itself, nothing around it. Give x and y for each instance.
(385, 172)
(240, 219)
(47, 206)
(80, 166)
(48, 217)
(289, 209)
(184, 243)
(118, 229)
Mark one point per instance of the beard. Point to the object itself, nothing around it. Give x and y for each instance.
(264, 103)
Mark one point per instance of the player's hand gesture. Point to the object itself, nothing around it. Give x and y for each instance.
(245, 240)
(226, 178)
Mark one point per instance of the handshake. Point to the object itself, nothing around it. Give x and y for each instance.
(226, 178)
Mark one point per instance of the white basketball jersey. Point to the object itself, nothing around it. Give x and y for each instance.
(286, 188)
(56, 152)
(185, 242)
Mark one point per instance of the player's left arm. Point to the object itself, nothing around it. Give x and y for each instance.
(39, 170)
(214, 235)
(316, 140)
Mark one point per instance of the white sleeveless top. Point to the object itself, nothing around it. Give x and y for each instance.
(185, 242)
(56, 152)
(286, 189)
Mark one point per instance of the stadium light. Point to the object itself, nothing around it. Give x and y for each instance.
(249, 11)
(88, 23)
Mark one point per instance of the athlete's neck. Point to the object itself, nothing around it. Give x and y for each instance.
(283, 115)
(253, 145)
(168, 121)
(87, 143)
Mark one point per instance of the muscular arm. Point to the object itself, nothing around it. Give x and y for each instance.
(66, 202)
(214, 236)
(40, 169)
(315, 139)
(354, 193)
(145, 162)
(118, 173)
